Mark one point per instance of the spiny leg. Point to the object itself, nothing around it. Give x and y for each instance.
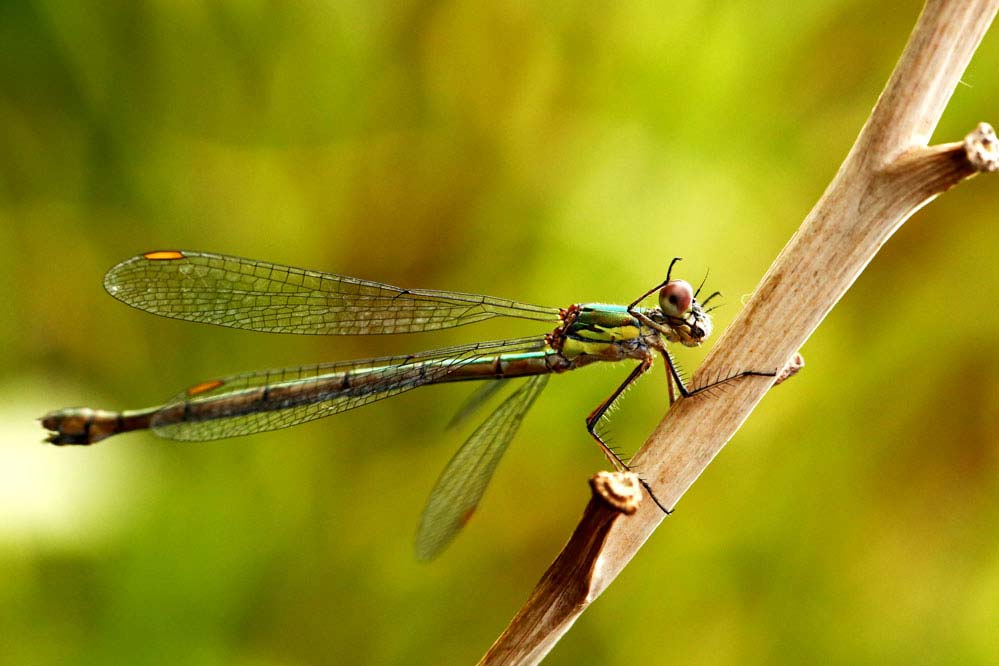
(730, 378)
(670, 385)
(598, 413)
(674, 374)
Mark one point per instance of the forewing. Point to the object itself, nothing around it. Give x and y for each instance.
(463, 482)
(260, 296)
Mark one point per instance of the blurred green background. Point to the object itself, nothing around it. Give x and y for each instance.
(551, 153)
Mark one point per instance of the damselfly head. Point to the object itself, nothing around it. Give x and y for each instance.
(688, 321)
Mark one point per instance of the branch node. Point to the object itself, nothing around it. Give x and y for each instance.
(791, 368)
(982, 148)
(621, 491)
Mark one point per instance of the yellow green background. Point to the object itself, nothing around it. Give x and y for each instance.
(546, 152)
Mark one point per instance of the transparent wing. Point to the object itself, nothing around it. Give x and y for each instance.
(259, 296)
(260, 401)
(474, 401)
(463, 482)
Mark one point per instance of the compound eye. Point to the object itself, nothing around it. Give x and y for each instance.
(676, 298)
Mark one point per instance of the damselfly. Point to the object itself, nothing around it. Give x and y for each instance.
(259, 296)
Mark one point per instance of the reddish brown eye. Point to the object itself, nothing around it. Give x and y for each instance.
(676, 298)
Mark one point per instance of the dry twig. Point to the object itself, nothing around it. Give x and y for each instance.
(889, 174)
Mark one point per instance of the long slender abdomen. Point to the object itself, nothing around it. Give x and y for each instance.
(267, 401)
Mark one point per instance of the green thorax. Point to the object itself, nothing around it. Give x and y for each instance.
(602, 332)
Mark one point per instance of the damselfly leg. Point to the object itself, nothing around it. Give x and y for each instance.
(601, 409)
(598, 413)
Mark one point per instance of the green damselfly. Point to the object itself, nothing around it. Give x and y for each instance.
(259, 296)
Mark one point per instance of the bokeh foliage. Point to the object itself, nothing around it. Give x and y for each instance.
(551, 153)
